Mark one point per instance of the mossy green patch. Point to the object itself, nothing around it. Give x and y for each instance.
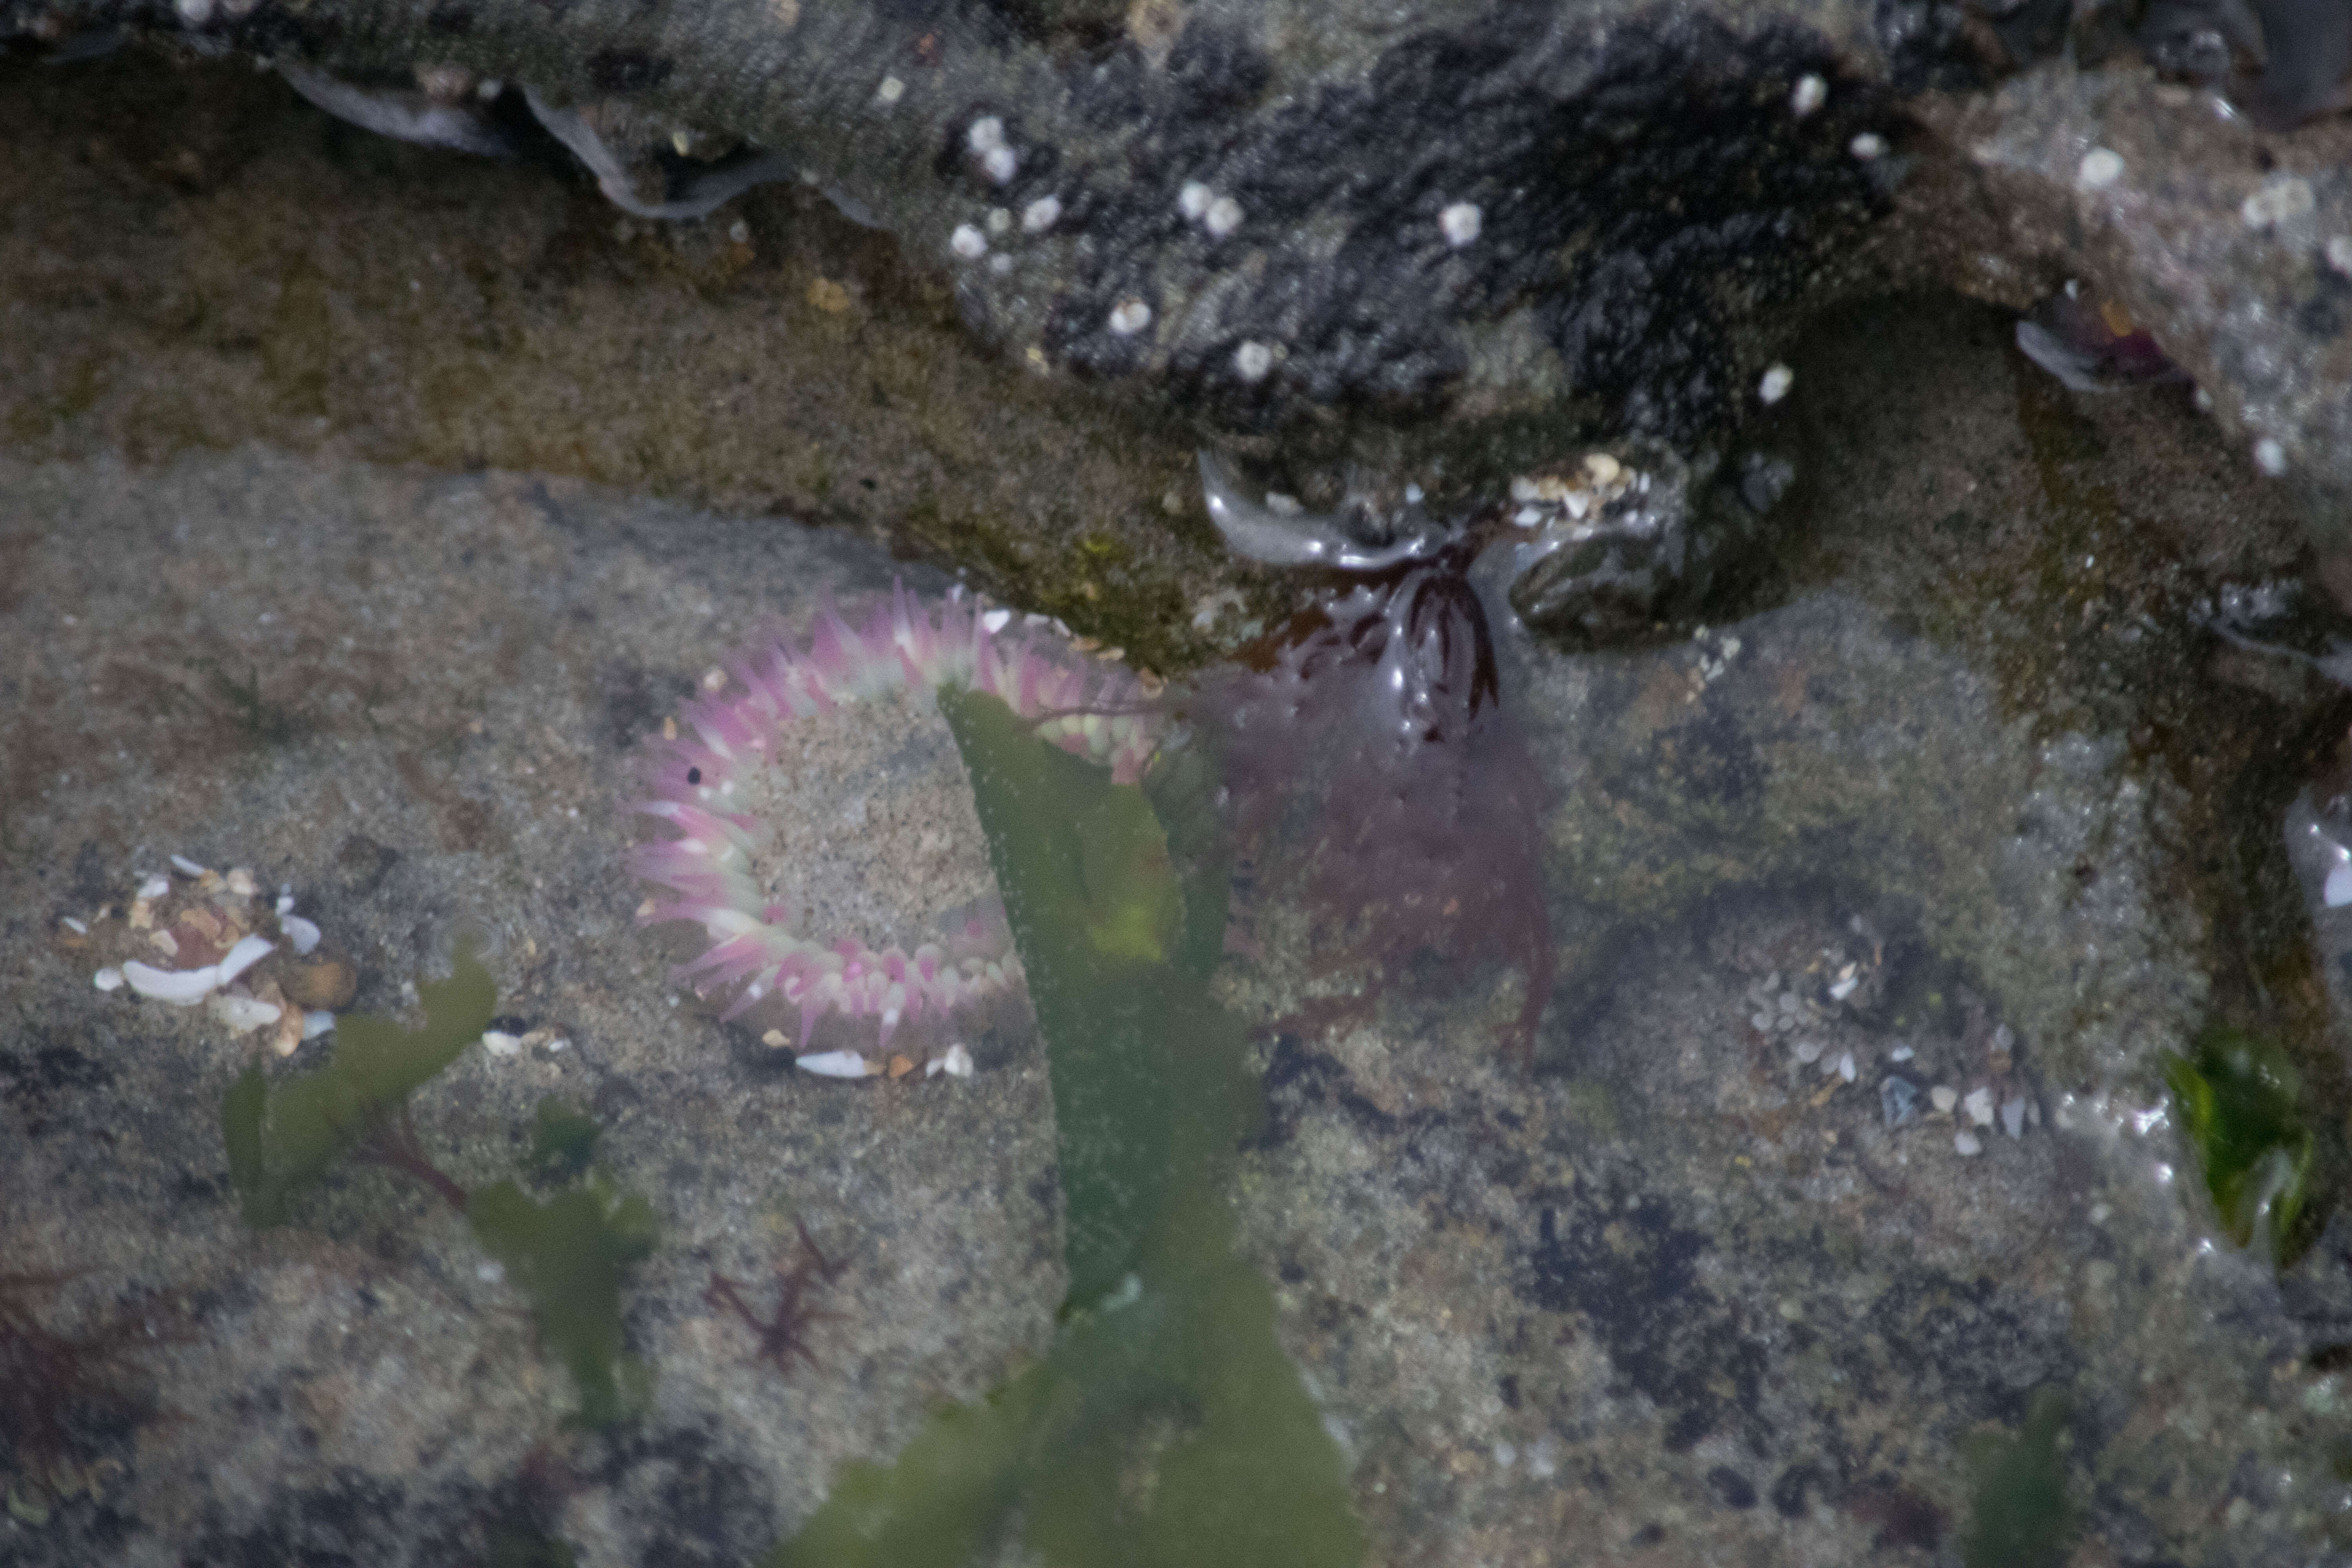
(570, 1255)
(562, 1141)
(2240, 1104)
(283, 1137)
(2022, 1518)
(1165, 1428)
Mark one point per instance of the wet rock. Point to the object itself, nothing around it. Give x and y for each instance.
(1453, 213)
(365, 1385)
(1475, 215)
(1902, 834)
(2215, 236)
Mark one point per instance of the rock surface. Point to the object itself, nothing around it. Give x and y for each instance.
(1946, 812)
(414, 700)
(1878, 913)
(1333, 223)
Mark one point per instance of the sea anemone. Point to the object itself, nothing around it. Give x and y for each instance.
(818, 798)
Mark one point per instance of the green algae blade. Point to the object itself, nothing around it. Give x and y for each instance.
(1096, 908)
(945, 1498)
(280, 1138)
(569, 1255)
(562, 1141)
(2022, 1518)
(1165, 1428)
(2240, 1100)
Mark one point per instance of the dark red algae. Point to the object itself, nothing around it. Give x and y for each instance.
(1374, 722)
(783, 1334)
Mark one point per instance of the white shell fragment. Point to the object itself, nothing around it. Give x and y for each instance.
(317, 1024)
(300, 932)
(1944, 1097)
(837, 1064)
(1966, 1144)
(248, 952)
(1979, 1105)
(501, 1043)
(1868, 147)
(155, 887)
(180, 987)
(1844, 988)
(185, 867)
(79, 928)
(2012, 1117)
(2270, 457)
(108, 979)
(244, 1013)
(2338, 891)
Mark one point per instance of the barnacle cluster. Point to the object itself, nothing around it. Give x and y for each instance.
(818, 798)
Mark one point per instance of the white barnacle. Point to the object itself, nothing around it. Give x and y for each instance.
(1461, 223)
(2270, 458)
(1223, 217)
(1868, 147)
(1774, 386)
(1253, 360)
(985, 136)
(1809, 93)
(1001, 164)
(891, 91)
(2282, 197)
(2101, 167)
(1129, 317)
(968, 243)
(1041, 214)
(1194, 200)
